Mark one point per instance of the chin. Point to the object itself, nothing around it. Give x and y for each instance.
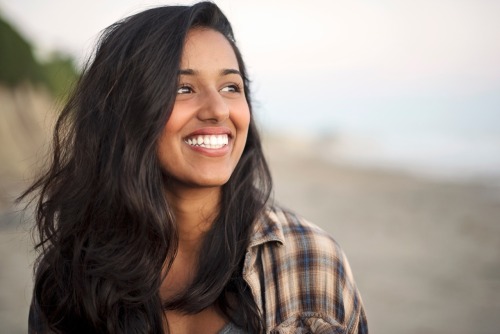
(213, 177)
(210, 182)
(200, 181)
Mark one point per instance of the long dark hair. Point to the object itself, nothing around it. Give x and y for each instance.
(105, 228)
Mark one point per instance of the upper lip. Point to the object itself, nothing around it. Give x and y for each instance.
(219, 130)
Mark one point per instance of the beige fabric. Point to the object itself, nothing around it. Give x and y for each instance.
(300, 278)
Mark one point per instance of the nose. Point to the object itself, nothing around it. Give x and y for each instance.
(213, 107)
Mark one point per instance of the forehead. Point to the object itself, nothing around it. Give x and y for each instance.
(207, 48)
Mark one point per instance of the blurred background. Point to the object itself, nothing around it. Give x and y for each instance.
(381, 124)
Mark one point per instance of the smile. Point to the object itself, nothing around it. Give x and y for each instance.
(208, 141)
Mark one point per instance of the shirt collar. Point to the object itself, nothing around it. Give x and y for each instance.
(267, 229)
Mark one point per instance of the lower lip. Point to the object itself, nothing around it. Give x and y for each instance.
(210, 152)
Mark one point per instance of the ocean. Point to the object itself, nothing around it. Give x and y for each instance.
(445, 137)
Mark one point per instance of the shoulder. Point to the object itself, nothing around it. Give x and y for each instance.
(306, 278)
(307, 252)
(296, 235)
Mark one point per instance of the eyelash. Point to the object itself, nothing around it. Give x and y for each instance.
(184, 86)
(237, 88)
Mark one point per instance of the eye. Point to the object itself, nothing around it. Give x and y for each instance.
(232, 88)
(185, 89)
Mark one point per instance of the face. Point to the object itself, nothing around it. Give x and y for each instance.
(205, 135)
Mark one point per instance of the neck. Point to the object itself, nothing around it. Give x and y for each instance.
(194, 210)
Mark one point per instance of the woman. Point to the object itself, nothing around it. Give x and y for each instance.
(154, 217)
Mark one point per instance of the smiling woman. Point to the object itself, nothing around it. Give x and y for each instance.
(154, 216)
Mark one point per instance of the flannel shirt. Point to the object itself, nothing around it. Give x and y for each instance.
(300, 278)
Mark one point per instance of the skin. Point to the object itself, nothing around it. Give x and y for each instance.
(210, 100)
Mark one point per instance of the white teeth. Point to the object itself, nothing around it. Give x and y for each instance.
(209, 141)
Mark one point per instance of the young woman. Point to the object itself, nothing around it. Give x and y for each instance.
(154, 214)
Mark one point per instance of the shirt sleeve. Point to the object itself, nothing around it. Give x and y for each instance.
(355, 317)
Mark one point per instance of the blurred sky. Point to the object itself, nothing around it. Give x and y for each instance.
(421, 78)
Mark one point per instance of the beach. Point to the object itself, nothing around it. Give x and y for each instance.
(425, 254)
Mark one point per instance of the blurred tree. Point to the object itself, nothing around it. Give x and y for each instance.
(60, 74)
(18, 64)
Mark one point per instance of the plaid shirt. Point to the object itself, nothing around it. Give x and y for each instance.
(300, 278)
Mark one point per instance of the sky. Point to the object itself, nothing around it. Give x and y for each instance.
(398, 43)
(378, 69)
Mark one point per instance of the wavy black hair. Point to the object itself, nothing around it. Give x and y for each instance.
(104, 225)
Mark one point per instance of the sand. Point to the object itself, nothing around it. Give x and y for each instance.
(425, 254)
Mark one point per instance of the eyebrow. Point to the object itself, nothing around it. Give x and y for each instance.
(223, 72)
(228, 71)
(187, 71)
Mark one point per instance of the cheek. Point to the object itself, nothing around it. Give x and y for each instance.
(163, 150)
(164, 142)
(175, 122)
(241, 118)
(168, 142)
